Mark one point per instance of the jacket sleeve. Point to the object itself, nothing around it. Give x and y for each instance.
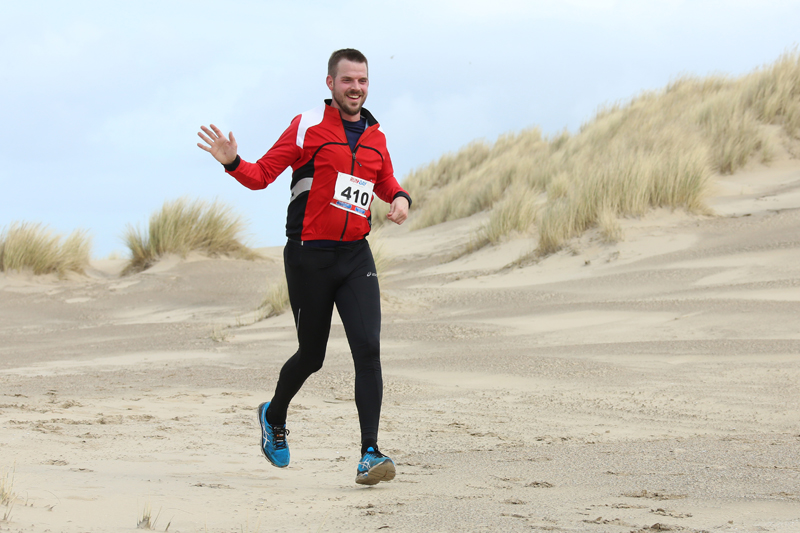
(386, 186)
(284, 153)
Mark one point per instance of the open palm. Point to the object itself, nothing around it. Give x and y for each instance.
(223, 149)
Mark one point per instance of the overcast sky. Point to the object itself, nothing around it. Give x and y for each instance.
(101, 101)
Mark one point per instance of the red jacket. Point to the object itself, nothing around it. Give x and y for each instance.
(316, 148)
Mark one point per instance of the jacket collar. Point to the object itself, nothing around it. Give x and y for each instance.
(364, 113)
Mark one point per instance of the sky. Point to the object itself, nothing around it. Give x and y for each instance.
(101, 101)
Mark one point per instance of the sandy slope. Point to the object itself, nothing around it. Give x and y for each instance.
(650, 385)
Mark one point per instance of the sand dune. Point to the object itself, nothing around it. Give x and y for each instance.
(650, 385)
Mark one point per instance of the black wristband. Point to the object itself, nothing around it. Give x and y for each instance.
(230, 167)
(404, 195)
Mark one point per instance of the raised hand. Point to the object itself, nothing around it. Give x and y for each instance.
(223, 149)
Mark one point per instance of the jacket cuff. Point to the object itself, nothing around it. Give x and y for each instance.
(405, 195)
(230, 167)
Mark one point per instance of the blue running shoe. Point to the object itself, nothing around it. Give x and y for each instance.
(273, 439)
(374, 467)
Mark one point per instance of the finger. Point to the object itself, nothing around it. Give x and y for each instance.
(217, 130)
(210, 133)
(230, 134)
(204, 147)
(399, 214)
(206, 139)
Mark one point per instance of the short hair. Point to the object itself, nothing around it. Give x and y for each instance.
(351, 54)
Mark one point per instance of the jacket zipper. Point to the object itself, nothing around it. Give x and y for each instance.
(347, 215)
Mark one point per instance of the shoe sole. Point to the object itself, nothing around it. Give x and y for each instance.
(262, 421)
(384, 471)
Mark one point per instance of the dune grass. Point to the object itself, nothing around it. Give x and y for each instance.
(660, 149)
(147, 521)
(275, 301)
(181, 227)
(7, 494)
(34, 247)
(383, 260)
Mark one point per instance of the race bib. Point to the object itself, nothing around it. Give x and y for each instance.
(352, 194)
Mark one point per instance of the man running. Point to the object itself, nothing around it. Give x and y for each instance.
(339, 160)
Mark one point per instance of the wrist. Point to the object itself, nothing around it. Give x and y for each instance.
(403, 194)
(233, 165)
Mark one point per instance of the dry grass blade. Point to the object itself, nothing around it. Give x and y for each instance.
(7, 488)
(219, 333)
(147, 521)
(7, 495)
(34, 247)
(276, 301)
(607, 222)
(515, 213)
(379, 255)
(181, 227)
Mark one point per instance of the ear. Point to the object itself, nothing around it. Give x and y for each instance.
(329, 82)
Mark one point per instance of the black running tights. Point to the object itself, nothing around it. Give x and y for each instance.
(318, 278)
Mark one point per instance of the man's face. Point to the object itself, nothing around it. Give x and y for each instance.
(349, 88)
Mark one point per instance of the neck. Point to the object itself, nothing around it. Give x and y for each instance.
(349, 118)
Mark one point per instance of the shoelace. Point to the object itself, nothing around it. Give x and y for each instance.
(280, 433)
(366, 463)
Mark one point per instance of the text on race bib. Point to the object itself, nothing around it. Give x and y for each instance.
(352, 194)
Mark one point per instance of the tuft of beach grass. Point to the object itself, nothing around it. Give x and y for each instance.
(36, 248)
(147, 521)
(7, 494)
(181, 227)
(276, 300)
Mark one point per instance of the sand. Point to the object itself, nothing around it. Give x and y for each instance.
(648, 385)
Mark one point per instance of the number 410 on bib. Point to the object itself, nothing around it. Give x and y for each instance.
(352, 194)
